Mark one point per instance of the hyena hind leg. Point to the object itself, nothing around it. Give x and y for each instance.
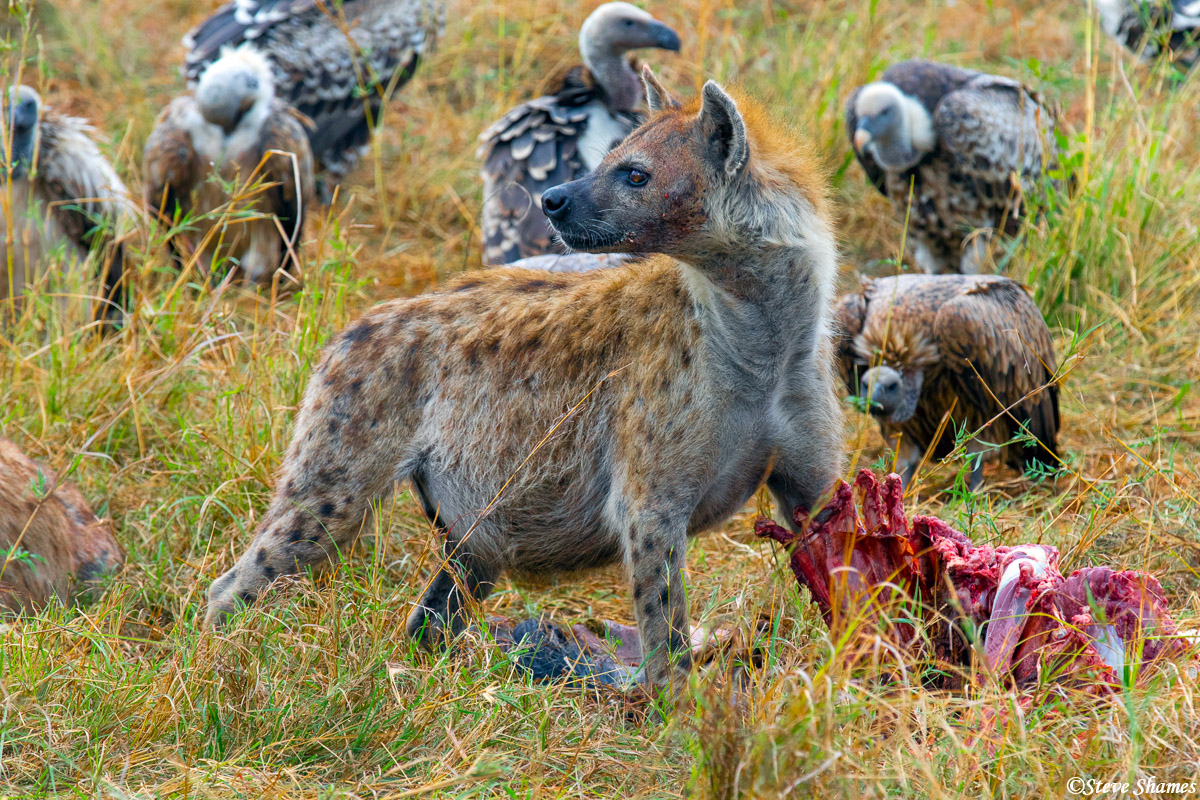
(441, 613)
(321, 503)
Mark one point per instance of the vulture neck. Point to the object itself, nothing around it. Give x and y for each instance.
(905, 148)
(246, 133)
(615, 75)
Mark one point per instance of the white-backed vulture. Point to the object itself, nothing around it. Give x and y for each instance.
(562, 136)
(1160, 28)
(66, 199)
(55, 545)
(919, 347)
(969, 146)
(232, 132)
(334, 62)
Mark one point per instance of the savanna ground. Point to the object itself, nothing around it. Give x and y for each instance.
(174, 428)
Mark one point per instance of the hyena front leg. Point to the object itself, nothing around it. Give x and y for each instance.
(655, 554)
(345, 453)
(810, 457)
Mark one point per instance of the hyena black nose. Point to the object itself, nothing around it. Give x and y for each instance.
(555, 203)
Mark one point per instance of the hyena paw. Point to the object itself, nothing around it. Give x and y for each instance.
(426, 627)
(224, 600)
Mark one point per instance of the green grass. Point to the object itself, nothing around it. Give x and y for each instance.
(175, 428)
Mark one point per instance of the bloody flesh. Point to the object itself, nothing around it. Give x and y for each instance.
(870, 571)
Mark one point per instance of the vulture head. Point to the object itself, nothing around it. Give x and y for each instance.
(614, 29)
(238, 83)
(611, 31)
(893, 393)
(24, 111)
(893, 128)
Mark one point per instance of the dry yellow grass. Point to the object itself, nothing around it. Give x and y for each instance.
(174, 428)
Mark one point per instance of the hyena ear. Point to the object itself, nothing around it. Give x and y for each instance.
(722, 125)
(657, 96)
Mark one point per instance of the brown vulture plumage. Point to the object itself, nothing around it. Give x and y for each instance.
(966, 145)
(562, 136)
(231, 133)
(59, 547)
(66, 199)
(919, 347)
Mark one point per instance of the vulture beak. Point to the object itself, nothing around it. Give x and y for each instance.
(664, 37)
(861, 138)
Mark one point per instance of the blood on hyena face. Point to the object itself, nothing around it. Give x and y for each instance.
(646, 196)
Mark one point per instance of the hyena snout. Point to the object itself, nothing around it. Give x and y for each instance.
(575, 215)
(556, 203)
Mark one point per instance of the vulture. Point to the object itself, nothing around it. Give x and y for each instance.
(1169, 28)
(967, 146)
(66, 200)
(334, 62)
(561, 136)
(230, 168)
(67, 550)
(917, 348)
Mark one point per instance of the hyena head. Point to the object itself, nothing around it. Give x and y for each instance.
(694, 181)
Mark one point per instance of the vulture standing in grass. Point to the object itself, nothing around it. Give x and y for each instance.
(232, 133)
(968, 145)
(334, 62)
(1169, 28)
(919, 347)
(562, 136)
(67, 201)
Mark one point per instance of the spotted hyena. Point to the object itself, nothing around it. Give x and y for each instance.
(555, 422)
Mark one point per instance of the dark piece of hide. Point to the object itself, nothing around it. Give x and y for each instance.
(869, 571)
(549, 653)
(603, 653)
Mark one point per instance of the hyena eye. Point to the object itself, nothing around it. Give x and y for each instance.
(637, 178)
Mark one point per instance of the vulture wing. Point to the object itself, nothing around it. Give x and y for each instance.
(995, 329)
(928, 81)
(996, 129)
(849, 317)
(170, 166)
(289, 170)
(235, 23)
(87, 197)
(530, 149)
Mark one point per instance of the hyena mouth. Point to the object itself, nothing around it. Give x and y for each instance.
(590, 239)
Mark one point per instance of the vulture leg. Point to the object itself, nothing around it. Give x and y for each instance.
(263, 256)
(975, 451)
(908, 456)
(926, 260)
(115, 300)
(975, 253)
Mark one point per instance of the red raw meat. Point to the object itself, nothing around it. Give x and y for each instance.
(868, 570)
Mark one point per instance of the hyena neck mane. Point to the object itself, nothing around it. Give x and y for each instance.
(768, 243)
